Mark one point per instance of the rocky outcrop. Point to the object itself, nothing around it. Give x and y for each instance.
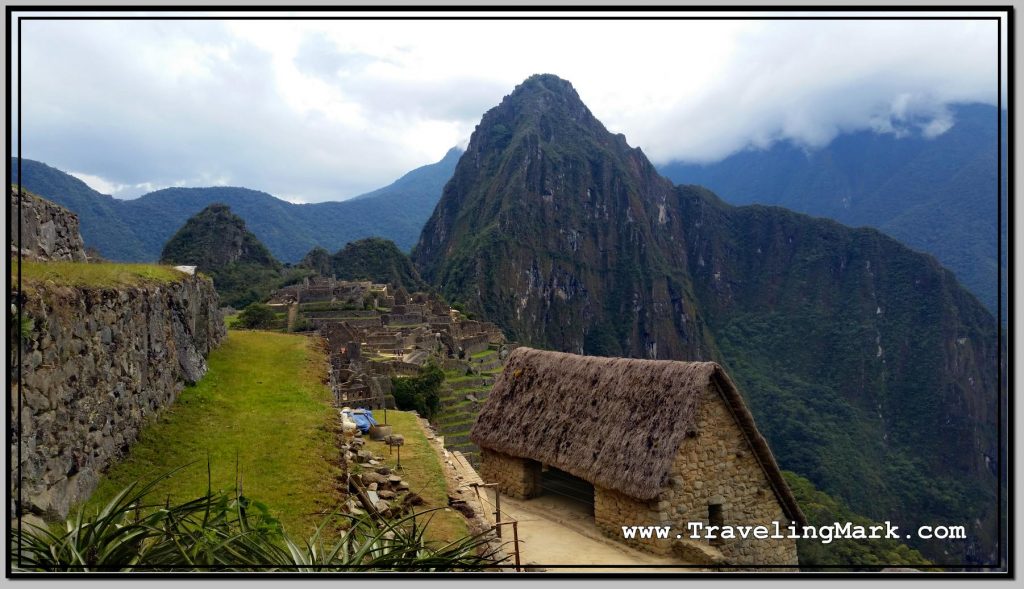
(48, 231)
(95, 364)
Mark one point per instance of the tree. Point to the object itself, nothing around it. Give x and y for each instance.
(256, 316)
(420, 393)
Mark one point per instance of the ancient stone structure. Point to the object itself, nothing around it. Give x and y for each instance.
(516, 477)
(369, 343)
(96, 363)
(662, 443)
(48, 231)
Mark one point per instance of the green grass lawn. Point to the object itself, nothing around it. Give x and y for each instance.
(421, 468)
(263, 404)
(103, 275)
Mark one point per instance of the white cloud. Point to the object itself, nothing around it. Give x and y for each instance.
(101, 185)
(329, 109)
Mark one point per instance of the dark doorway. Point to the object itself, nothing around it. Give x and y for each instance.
(562, 484)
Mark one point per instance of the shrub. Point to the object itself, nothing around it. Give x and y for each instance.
(256, 316)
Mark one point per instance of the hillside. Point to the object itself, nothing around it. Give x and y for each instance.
(374, 259)
(937, 195)
(218, 243)
(135, 230)
(870, 370)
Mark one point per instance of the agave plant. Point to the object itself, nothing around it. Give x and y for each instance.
(230, 532)
(388, 545)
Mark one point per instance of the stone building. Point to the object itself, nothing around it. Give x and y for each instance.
(649, 442)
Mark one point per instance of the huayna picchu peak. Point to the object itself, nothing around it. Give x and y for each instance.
(868, 367)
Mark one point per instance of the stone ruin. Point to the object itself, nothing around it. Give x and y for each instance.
(374, 332)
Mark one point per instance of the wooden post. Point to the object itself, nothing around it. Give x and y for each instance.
(497, 510)
(515, 540)
(497, 503)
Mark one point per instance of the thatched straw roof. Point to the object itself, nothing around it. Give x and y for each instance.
(615, 422)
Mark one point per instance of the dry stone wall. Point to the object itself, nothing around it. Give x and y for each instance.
(716, 467)
(96, 364)
(516, 477)
(48, 231)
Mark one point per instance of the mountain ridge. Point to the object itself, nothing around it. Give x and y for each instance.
(136, 230)
(937, 195)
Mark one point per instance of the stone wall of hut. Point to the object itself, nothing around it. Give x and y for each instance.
(516, 477)
(714, 467)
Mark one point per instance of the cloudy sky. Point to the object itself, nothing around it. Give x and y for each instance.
(316, 110)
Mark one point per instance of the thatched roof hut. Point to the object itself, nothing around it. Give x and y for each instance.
(615, 422)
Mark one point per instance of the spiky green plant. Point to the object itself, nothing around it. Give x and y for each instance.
(230, 532)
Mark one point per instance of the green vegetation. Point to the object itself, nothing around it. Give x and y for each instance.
(256, 316)
(374, 259)
(823, 510)
(422, 469)
(219, 531)
(25, 327)
(104, 275)
(242, 268)
(420, 393)
(262, 417)
(936, 194)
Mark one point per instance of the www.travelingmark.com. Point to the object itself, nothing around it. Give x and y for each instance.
(778, 531)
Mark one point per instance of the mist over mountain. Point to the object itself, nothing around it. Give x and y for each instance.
(936, 194)
(871, 371)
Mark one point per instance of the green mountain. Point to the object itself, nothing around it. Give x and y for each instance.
(938, 195)
(374, 259)
(135, 230)
(218, 243)
(869, 369)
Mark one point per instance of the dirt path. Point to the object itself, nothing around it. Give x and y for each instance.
(554, 531)
(293, 314)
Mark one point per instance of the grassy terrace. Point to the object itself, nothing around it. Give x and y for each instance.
(103, 275)
(262, 404)
(421, 468)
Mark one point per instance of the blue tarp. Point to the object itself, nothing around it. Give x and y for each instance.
(364, 419)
